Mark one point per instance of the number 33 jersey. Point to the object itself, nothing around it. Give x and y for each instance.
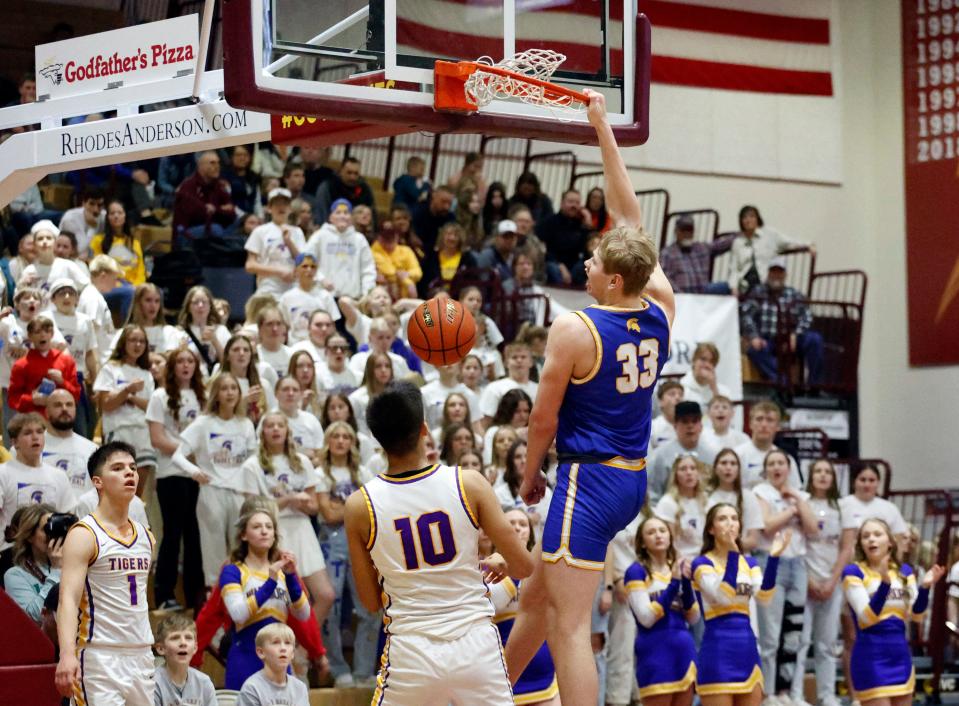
(608, 412)
(114, 611)
(424, 543)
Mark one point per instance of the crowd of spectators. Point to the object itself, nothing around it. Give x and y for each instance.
(88, 353)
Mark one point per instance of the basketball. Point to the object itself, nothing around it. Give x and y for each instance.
(441, 331)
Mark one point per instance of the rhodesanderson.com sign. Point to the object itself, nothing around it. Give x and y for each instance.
(143, 54)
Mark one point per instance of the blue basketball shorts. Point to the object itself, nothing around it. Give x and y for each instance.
(591, 503)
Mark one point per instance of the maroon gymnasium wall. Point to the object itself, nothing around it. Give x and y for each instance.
(930, 62)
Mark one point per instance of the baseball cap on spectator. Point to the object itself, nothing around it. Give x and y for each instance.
(44, 225)
(277, 193)
(341, 202)
(298, 260)
(779, 262)
(505, 226)
(685, 223)
(62, 283)
(688, 408)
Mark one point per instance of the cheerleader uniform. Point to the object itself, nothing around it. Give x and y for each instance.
(538, 681)
(255, 600)
(665, 652)
(880, 664)
(728, 660)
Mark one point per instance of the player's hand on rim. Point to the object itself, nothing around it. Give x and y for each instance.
(533, 488)
(596, 110)
(494, 568)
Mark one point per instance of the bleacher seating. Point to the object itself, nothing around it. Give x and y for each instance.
(27, 663)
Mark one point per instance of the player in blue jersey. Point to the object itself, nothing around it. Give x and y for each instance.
(595, 397)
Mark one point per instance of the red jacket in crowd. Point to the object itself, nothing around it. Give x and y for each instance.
(28, 372)
(192, 197)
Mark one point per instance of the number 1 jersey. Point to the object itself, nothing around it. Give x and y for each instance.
(608, 412)
(424, 543)
(114, 611)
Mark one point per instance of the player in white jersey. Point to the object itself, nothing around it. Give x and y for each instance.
(413, 535)
(107, 659)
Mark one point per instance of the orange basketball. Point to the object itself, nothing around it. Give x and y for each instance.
(441, 331)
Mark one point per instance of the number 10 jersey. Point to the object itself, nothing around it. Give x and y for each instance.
(608, 412)
(114, 611)
(424, 543)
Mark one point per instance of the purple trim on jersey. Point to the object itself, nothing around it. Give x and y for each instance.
(83, 684)
(90, 604)
(413, 479)
(386, 675)
(136, 533)
(502, 658)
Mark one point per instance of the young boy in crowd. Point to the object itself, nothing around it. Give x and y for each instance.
(663, 429)
(78, 330)
(176, 681)
(305, 297)
(272, 247)
(764, 418)
(275, 645)
(519, 363)
(721, 433)
(42, 370)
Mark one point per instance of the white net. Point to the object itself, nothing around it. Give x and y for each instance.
(483, 87)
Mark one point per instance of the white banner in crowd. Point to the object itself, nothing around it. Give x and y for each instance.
(142, 54)
(701, 318)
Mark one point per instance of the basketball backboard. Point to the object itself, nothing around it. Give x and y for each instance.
(309, 57)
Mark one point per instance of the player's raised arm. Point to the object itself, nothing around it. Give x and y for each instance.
(620, 196)
(79, 549)
(489, 515)
(357, 520)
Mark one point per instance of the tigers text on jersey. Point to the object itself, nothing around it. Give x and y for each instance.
(113, 608)
(608, 413)
(423, 541)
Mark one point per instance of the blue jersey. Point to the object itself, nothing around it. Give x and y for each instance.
(608, 412)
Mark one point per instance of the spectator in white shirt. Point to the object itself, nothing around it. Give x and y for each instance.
(764, 417)
(700, 383)
(48, 268)
(436, 392)
(337, 374)
(104, 274)
(147, 311)
(319, 329)
(273, 247)
(343, 255)
(63, 448)
(519, 362)
(271, 329)
(720, 432)
(689, 440)
(381, 341)
(202, 325)
(754, 248)
(305, 298)
(86, 220)
(379, 373)
(726, 486)
(663, 428)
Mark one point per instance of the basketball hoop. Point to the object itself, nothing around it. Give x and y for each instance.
(467, 86)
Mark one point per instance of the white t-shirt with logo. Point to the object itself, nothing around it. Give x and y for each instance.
(752, 513)
(45, 275)
(187, 413)
(79, 333)
(278, 360)
(283, 480)
(299, 304)
(341, 486)
(70, 455)
(690, 516)
(111, 378)
(92, 303)
(220, 447)
(855, 512)
(266, 242)
(752, 459)
(28, 485)
(822, 551)
(434, 399)
(494, 392)
(777, 503)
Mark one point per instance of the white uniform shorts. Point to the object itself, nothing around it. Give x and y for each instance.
(115, 677)
(421, 671)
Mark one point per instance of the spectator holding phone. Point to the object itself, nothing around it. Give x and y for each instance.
(42, 370)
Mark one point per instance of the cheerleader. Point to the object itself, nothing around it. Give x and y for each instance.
(663, 603)
(728, 670)
(882, 596)
(220, 440)
(288, 477)
(537, 684)
(340, 475)
(683, 505)
(259, 586)
(172, 408)
(726, 486)
(306, 429)
(824, 604)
